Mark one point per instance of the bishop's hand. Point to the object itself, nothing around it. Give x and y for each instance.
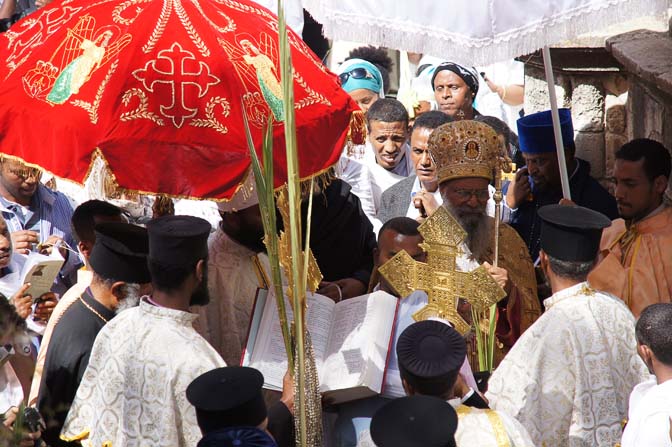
(500, 275)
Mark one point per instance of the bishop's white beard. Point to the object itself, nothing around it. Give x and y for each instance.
(478, 226)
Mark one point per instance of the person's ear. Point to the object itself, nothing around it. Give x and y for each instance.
(85, 248)
(660, 184)
(200, 269)
(117, 291)
(376, 253)
(543, 262)
(645, 353)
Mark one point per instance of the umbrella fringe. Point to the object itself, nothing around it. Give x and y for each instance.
(405, 35)
(112, 190)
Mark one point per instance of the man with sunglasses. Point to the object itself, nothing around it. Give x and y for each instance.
(38, 218)
(465, 153)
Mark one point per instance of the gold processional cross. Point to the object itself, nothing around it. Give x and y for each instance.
(439, 277)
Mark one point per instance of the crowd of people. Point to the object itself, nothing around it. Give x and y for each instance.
(130, 346)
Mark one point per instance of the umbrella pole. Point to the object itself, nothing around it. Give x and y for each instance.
(560, 148)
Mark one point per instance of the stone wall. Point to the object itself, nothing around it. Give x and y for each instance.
(646, 57)
(590, 83)
(647, 60)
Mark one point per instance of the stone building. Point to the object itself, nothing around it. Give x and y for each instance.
(618, 83)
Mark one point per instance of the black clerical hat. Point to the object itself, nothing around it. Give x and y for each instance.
(237, 437)
(415, 421)
(178, 240)
(571, 233)
(228, 397)
(120, 252)
(430, 354)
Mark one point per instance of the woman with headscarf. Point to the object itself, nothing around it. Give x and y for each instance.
(455, 89)
(363, 82)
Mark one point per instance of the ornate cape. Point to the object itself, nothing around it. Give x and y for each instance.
(133, 392)
(643, 274)
(521, 308)
(568, 378)
(489, 428)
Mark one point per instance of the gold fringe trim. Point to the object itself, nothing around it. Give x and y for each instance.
(357, 132)
(112, 189)
(80, 437)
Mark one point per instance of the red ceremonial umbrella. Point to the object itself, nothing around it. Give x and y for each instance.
(159, 89)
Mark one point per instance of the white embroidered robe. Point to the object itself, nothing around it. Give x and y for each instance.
(133, 392)
(568, 377)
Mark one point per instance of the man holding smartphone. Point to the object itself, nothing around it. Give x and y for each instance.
(538, 182)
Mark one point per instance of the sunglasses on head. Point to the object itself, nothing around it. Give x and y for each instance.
(356, 73)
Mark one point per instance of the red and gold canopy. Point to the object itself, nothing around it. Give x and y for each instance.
(159, 89)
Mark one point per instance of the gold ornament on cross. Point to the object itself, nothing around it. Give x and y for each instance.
(439, 277)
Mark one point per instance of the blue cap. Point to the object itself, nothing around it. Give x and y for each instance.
(373, 83)
(535, 131)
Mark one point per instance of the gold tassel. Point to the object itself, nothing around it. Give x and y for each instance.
(163, 206)
(357, 132)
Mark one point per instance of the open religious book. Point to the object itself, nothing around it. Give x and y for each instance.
(351, 341)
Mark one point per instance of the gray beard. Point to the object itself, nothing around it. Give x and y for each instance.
(127, 303)
(479, 231)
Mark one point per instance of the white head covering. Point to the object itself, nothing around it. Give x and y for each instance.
(245, 197)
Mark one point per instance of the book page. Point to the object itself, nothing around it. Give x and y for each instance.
(407, 307)
(40, 271)
(269, 355)
(359, 342)
(255, 323)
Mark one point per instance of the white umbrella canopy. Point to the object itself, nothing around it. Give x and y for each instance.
(475, 32)
(478, 32)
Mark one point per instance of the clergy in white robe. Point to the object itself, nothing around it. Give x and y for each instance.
(233, 279)
(484, 427)
(133, 390)
(568, 377)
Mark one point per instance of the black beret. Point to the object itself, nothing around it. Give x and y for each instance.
(120, 252)
(228, 397)
(571, 233)
(430, 351)
(415, 421)
(178, 240)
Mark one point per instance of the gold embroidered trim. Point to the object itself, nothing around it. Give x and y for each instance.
(160, 26)
(116, 12)
(142, 111)
(230, 27)
(189, 28)
(95, 312)
(79, 437)
(501, 437)
(92, 109)
(313, 96)
(211, 121)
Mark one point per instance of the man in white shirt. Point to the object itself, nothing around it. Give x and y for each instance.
(387, 153)
(650, 413)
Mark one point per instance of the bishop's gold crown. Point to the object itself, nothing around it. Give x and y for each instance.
(464, 149)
